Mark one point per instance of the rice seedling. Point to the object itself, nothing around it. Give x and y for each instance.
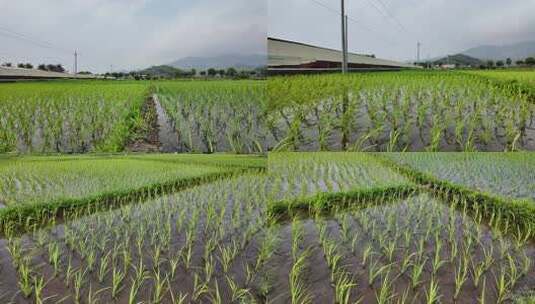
(407, 111)
(298, 290)
(160, 286)
(117, 281)
(433, 293)
(217, 116)
(218, 241)
(502, 174)
(25, 278)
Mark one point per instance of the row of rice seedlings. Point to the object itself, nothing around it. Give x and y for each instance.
(515, 80)
(299, 293)
(68, 117)
(396, 112)
(304, 175)
(217, 116)
(194, 236)
(38, 180)
(342, 279)
(437, 252)
(503, 174)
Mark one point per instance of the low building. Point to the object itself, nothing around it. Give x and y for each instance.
(294, 57)
(10, 74)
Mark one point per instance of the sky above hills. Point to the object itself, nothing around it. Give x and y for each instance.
(128, 34)
(391, 28)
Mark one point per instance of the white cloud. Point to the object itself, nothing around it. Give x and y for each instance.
(131, 33)
(443, 26)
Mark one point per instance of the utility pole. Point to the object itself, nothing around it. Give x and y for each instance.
(75, 62)
(418, 52)
(344, 38)
(347, 43)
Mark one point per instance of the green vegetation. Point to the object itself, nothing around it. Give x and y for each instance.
(105, 116)
(515, 80)
(401, 111)
(510, 175)
(69, 116)
(307, 174)
(33, 187)
(372, 231)
(214, 116)
(514, 216)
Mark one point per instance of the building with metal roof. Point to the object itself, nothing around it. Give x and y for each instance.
(9, 73)
(294, 57)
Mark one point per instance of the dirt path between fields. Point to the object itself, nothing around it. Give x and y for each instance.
(158, 134)
(146, 140)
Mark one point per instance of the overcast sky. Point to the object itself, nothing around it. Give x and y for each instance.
(128, 33)
(391, 28)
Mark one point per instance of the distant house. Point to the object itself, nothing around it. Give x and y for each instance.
(448, 66)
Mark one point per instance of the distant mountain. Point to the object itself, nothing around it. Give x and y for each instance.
(221, 62)
(163, 71)
(459, 60)
(516, 51)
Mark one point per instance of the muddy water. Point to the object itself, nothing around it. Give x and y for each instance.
(411, 217)
(168, 137)
(114, 233)
(319, 129)
(118, 231)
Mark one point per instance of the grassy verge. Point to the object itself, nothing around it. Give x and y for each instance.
(250, 161)
(25, 217)
(516, 215)
(328, 201)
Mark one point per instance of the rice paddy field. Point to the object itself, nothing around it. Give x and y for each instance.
(516, 79)
(509, 175)
(313, 228)
(67, 116)
(108, 116)
(401, 111)
(91, 213)
(215, 116)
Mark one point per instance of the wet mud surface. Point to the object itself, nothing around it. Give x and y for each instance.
(158, 239)
(168, 138)
(147, 139)
(412, 126)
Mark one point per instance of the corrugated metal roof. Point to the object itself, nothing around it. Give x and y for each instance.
(290, 53)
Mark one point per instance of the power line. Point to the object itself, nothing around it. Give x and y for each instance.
(356, 21)
(26, 38)
(388, 14)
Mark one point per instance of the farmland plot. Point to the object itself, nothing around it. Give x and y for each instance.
(221, 243)
(200, 245)
(303, 175)
(515, 79)
(28, 180)
(415, 250)
(68, 116)
(34, 190)
(406, 111)
(511, 175)
(215, 116)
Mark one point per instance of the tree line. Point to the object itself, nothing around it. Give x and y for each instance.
(42, 67)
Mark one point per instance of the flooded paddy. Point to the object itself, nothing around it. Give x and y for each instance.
(219, 243)
(398, 112)
(175, 246)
